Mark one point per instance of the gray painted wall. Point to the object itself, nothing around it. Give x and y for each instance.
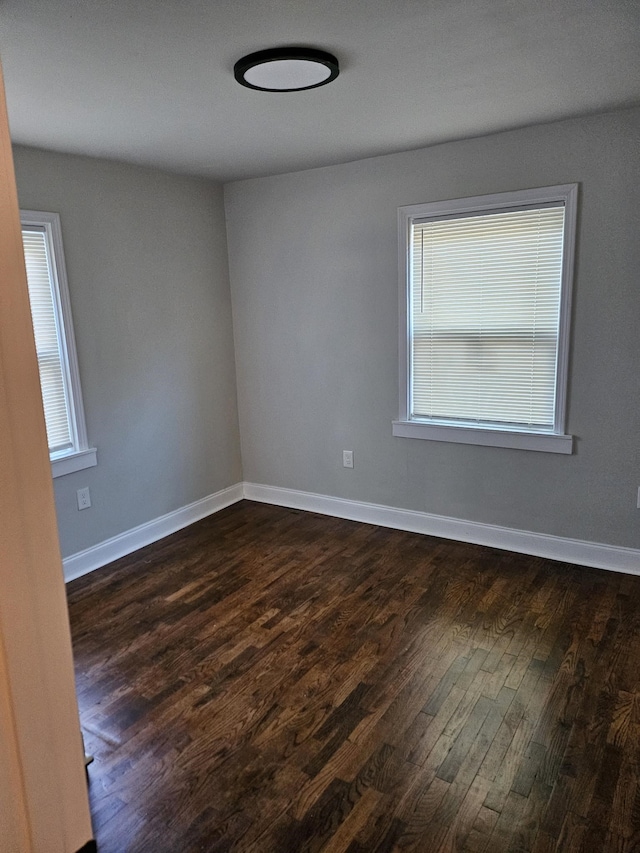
(313, 264)
(147, 264)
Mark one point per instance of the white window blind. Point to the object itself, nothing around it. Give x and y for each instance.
(484, 301)
(48, 337)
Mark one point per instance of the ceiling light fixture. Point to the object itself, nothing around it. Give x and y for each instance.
(286, 69)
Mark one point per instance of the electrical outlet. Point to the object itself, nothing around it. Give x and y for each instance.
(84, 498)
(347, 458)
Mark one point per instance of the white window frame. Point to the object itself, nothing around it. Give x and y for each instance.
(80, 455)
(555, 441)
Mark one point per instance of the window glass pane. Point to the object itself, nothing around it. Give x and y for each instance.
(47, 337)
(485, 304)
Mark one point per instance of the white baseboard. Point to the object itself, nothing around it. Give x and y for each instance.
(129, 541)
(594, 554)
(609, 557)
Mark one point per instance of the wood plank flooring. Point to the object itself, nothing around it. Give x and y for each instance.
(274, 681)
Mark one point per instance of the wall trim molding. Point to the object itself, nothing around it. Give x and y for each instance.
(125, 543)
(610, 557)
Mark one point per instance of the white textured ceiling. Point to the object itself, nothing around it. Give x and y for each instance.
(151, 81)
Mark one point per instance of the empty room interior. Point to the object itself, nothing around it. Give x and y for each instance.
(336, 316)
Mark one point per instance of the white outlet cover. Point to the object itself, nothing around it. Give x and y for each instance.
(84, 498)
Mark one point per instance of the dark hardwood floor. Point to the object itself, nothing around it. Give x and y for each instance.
(276, 681)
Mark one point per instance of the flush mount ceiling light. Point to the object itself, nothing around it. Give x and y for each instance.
(286, 69)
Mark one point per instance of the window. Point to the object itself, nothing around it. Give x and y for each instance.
(55, 343)
(484, 328)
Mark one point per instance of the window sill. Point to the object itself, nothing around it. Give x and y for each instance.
(546, 442)
(74, 461)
